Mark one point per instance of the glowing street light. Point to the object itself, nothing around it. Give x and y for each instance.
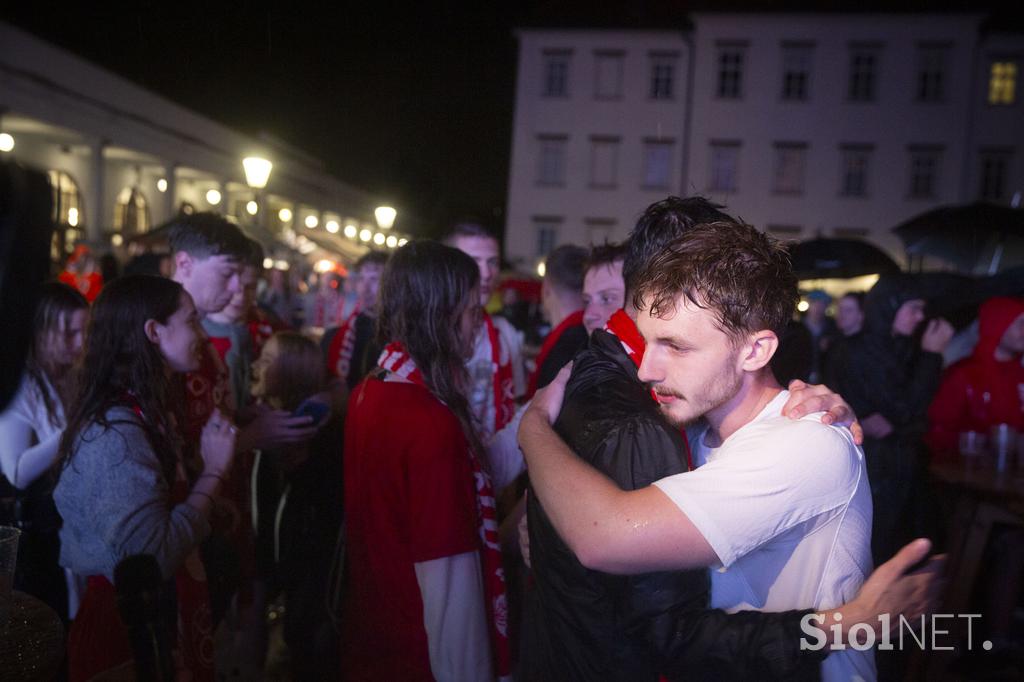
(332, 226)
(252, 207)
(161, 185)
(6, 142)
(379, 239)
(213, 197)
(365, 235)
(392, 241)
(312, 221)
(257, 171)
(116, 240)
(73, 217)
(268, 263)
(285, 214)
(351, 231)
(385, 216)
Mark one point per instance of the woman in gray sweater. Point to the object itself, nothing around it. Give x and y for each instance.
(125, 487)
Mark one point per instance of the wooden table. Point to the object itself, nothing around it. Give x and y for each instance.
(31, 642)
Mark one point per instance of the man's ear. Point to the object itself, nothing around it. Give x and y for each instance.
(183, 263)
(152, 330)
(759, 349)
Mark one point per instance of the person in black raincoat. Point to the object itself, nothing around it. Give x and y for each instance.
(889, 375)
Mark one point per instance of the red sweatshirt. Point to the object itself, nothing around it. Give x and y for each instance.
(979, 392)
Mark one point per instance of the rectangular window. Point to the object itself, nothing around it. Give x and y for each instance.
(663, 71)
(556, 73)
(924, 171)
(551, 159)
(864, 60)
(608, 66)
(1002, 82)
(994, 171)
(855, 169)
(790, 163)
(725, 158)
(850, 232)
(785, 232)
(931, 72)
(657, 163)
(604, 158)
(546, 230)
(599, 230)
(731, 56)
(796, 70)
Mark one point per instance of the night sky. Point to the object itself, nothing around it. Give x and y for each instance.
(412, 101)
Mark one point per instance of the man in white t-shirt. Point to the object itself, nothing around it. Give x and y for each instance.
(780, 509)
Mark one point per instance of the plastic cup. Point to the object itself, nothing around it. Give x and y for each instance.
(8, 560)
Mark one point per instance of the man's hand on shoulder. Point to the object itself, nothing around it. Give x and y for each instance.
(806, 398)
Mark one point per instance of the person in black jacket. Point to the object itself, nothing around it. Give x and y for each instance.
(589, 625)
(890, 378)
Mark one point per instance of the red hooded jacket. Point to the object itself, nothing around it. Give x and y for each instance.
(979, 392)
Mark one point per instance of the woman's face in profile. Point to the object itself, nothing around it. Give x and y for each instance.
(267, 358)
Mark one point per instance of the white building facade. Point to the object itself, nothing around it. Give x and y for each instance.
(598, 135)
(123, 160)
(805, 125)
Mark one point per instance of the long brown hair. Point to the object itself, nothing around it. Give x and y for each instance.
(425, 289)
(120, 366)
(57, 301)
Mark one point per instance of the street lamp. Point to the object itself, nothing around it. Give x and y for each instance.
(257, 174)
(385, 216)
(6, 142)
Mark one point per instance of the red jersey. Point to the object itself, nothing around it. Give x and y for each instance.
(409, 498)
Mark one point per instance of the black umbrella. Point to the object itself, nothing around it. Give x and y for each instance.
(839, 258)
(962, 234)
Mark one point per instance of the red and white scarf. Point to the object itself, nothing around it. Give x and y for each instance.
(622, 327)
(343, 345)
(504, 388)
(396, 360)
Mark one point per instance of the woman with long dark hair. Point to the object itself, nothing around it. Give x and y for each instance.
(30, 431)
(425, 595)
(125, 487)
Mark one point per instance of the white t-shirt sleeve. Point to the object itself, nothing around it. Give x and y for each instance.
(455, 617)
(765, 480)
(504, 455)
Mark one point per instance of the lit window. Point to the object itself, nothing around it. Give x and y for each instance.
(1002, 83)
(608, 74)
(556, 73)
(790, 164)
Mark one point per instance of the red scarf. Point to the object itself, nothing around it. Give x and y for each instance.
(504, 398)
(98, 640)
(621, 326)
(339, 354)
(550, 340)
(396, 360)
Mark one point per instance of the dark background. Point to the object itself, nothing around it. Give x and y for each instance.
(412, 101)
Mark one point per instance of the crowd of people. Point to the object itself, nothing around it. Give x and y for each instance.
(428, 503)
